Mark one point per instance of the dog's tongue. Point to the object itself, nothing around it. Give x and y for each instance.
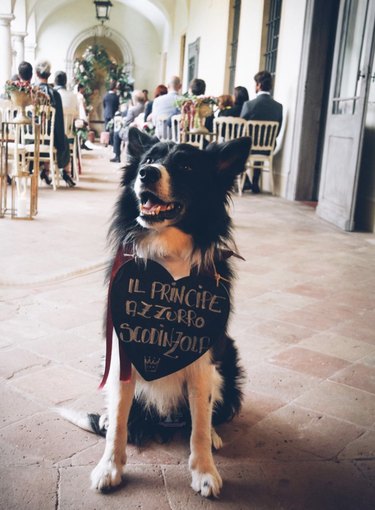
(150, 205)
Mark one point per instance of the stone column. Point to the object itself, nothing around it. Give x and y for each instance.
(5, 50)
(30, 52)
(19, 46)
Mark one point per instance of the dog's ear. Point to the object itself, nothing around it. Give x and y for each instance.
(139, 142)
(231, 158)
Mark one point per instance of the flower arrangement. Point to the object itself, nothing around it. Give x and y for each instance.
(194, 109)
(36, 96)
(23, 94)
(94, 67)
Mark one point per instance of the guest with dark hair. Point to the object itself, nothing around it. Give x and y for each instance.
(197, 87)
(25, 71)
(240, 96)
(68, 98)
(264, 107)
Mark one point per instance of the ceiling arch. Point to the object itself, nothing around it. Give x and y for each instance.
(156, 11)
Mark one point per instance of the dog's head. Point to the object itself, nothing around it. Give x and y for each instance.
(178, 185)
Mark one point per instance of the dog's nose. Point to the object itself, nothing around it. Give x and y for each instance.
(149, 174)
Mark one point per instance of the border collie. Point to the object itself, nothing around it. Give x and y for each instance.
(173, 211)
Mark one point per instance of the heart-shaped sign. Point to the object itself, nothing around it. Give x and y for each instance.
(165, 324)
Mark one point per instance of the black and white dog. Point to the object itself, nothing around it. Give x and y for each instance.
(173, 210)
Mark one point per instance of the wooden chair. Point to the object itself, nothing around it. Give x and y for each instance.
(263, 140)
(69, 119)
(45, 117)
(229, 128)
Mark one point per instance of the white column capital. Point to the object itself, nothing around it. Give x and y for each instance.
(5, 19)
(19, 35)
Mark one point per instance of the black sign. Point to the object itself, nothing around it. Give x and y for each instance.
(165, 324)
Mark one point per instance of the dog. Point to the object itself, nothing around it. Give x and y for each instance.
(173, 212)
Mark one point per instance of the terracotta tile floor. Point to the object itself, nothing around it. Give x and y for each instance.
(304, 323)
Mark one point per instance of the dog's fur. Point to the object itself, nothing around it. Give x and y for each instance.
(173, 209)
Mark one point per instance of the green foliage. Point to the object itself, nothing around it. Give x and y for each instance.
(95, 63)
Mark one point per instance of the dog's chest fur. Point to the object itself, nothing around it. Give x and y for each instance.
(173, 249)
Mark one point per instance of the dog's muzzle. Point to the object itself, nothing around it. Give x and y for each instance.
(149, 174)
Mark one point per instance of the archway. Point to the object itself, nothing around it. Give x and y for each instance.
(118, 51)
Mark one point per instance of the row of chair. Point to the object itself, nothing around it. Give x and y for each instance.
(262, 133)
(21, 139)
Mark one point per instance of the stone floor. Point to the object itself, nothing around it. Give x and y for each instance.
(304, 323)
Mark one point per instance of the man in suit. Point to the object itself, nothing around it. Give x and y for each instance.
(111, 103)
(263, 107)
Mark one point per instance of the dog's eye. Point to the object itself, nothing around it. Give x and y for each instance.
(149, 160)
(185, 168)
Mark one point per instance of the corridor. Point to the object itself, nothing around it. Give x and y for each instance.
(304, 322)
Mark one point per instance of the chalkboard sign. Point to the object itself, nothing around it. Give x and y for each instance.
(165, 324)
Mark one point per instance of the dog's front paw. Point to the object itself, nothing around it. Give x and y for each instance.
(106, 475)
(206, 481)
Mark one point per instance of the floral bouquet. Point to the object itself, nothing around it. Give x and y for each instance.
(23, 94)
(194, 110)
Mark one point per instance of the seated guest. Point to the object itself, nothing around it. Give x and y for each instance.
(264, 107)
(197, 87)
(138, 106)
(241, 95)
(68, 97)
(25, 72)
(160, 90)
(165, 105)
(43, 72)
(225, 105)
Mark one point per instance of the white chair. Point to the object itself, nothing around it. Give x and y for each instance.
(69, 119)
(162, 130)
(263, 140)
(195, 139)
(45, 117)
(175, 128)
(229, 128)
(181, 136)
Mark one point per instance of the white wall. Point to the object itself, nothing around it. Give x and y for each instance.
(249, 44)
(179, 18)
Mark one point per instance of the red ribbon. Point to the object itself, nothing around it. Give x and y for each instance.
(125, 366)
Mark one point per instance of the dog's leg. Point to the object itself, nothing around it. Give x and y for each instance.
(108, 473)
(205, 477)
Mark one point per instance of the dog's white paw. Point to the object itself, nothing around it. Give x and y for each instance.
(208, 483)
(106, 475)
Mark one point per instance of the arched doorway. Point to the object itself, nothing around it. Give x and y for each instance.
(101, 74)
(118, 51)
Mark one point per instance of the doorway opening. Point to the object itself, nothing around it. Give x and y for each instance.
(101, 74)
(315, 104)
